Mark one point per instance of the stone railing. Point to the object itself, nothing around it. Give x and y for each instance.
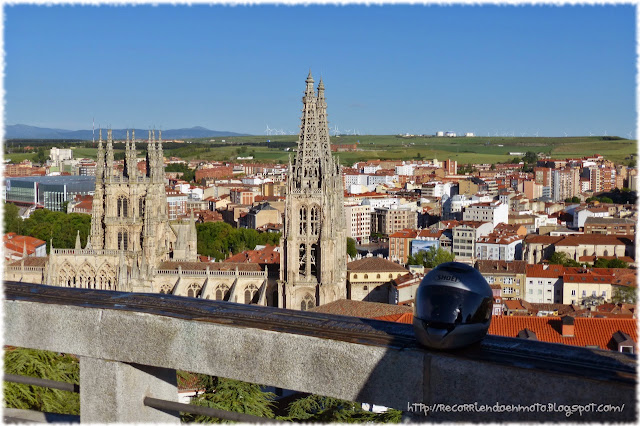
(210, 273)
(130, 345)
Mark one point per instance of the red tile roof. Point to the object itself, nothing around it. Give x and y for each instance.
(268, 255)
(588, 331)
(355, 308)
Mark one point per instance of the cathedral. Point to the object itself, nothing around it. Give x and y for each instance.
(313, 259)
(132, 246)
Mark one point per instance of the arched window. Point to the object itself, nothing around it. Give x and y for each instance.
(123, 240)
(302, 256)
(249, 294)
(141, 206)
(390, 276)
(365, 288)
(314, 260)
(366, 276)
(307, 302)
(190, 293)
(218, 294)
(355, 276)
(606, 253)
(315, 220)
(584, 253)
(378, 276)
(123, 207)
(303, 220)
(222, 291)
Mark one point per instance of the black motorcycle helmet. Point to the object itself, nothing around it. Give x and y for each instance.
(453, 307)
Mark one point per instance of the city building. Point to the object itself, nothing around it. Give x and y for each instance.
(369, 279)
(49, 192)
(544, 283)
(465, 236)
(386, 221)
(609, 226)
(492, 211)
(509, 275)
(358, 221)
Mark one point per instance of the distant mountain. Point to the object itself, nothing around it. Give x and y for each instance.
(23, 131)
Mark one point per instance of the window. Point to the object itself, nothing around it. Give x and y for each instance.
(530, 291)
(355, 276)
(604, 294)
(366, 276)
(507, 290)
(539, 291)
(584, 293)
(365, 288)
(378, 276)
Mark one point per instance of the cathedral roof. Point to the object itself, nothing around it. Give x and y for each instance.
(213, 266)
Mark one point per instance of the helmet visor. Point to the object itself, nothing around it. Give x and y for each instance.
(442, 306)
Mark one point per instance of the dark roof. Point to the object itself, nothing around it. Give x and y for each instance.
(355, 308)
(374, 264)
(496, 266)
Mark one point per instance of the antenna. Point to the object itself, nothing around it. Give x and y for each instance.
(93, 130)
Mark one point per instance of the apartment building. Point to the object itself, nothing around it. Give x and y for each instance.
(387, 221)
(544, 283)
(509, 275)
(609, 226)
(492, 211)
(465, 236)
(565, 183)
(358, 221)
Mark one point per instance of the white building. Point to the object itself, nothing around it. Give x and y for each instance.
(543, 286)
(370, 169)
(493, 211)
(355, 179)
(374, 180)
(436, 189)
(58, 155)
(358, 220)
(581, 214)
(405, 169)
(499, 247)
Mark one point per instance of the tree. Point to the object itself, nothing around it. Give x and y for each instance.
(12, 219)
(624, 295)
(315, 408)
(610, 263)
(351, 247)
(60, 227)
(431, 258)
(230, 395)
(573, 199)
(560, 258)
(530, 157)
(43, 365)
(40, 156)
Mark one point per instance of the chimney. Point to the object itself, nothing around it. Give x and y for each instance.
(568, 327)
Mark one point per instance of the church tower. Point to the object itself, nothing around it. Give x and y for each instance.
(313, 266)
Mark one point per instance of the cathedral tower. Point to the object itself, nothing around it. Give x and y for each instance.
(313, 266)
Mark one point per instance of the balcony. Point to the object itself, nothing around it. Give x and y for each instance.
(130, 344)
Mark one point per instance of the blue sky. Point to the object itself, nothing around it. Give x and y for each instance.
(387, 69)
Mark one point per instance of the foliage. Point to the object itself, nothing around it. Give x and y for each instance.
(315, 408)
(188, 174)
(351, 247)
(466, 168)
(44, 365)
(573, 199)
(230, 395)
(12, 219)
(40, 156)
(610, 263)
(218, 239)
(624, 295)
(62, 228)
(560, 258)
(431, 258)
(530, 157)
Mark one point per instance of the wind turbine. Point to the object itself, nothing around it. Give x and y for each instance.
(590, 133)
(629, 135)
(537, 133)
(268, 130)
(605, 133)
(565, 134)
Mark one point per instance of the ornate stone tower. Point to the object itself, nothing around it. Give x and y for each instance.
(130, 209)
(313, 265)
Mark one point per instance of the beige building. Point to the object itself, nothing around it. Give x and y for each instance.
(387, 221)
(369, 279)
(511, 276)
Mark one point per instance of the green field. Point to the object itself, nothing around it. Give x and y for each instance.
(390, 147)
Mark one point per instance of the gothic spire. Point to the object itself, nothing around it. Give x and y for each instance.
(109, 162)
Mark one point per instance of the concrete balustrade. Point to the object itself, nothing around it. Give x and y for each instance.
(131, 344)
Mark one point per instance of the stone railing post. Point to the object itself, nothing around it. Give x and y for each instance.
(113, 392)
